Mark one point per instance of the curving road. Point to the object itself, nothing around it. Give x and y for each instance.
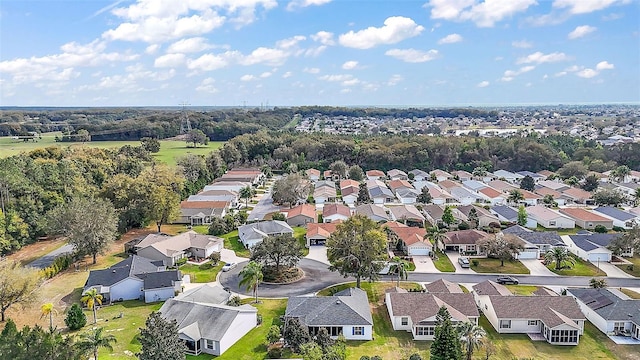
(317, 277)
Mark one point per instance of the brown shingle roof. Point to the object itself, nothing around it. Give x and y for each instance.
(304, 210)
(464, 236)
(577, 194)
(552, 310)
(203, 204)
(443, 286)
(335, 209)
(423, 307)
(489, 287)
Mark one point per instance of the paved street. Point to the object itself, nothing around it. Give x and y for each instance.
(263, 207)
(47, 260)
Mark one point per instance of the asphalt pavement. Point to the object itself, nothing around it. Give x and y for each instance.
(263, 207)
(47, 260)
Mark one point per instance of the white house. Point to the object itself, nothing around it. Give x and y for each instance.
(508, 176)
(493, 196)
(209, 328)
(608, 312)
(233, 186)
(593, 247)
(173, 248)
(550, 219)
(335, 212)
(349, 190)
(620, 218)
(465, 196)
(252, 234)
(347, 313)
(536, 243)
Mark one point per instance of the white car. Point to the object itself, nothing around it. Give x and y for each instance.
(229, 266)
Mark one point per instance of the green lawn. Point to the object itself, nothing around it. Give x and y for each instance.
(560, 231)
(493, 266)
(524, 290)
(199, 275)
(630, 293)
(300, 233)
(125, 329)
(632, 269)
(443, 263)
(580, 268)
(169, 150)
(232, 242)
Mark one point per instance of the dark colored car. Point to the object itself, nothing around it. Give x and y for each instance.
(507, 280)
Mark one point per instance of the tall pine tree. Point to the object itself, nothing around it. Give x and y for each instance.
(160, 340)
(446, 342)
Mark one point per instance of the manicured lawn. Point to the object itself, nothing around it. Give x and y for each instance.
(443, 263)
(630, 293)
(581, 268)
(300, 233)
(201, 229)
(170, 151)
(636, 266)
(560, 231)
(493, 266)
(199, 275)
(524, 290)
(232, 242)
(125, 329)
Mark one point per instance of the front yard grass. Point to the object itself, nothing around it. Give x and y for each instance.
(580, 268)
(524, 290)
(630, 293)
(442, 263)
(493, 266)
(232, 242)
(199, 275)
(300, 233)
(633, 268)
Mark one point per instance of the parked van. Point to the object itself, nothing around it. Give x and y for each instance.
(464, 262)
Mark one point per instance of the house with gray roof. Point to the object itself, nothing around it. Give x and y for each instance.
(170, 249)
(347, 313)
(208, 327)
(135, 278)
(509, 214)
(536, 243)
(416, 312)
(465, 196)
(374, 212)
(252, 234)
(610, 313)
(592, 246)
(620, 218)
(212, 293)
(420, 175)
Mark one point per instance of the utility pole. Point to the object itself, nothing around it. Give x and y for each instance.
(185, 124)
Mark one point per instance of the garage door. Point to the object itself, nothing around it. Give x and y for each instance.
(528, 254)
(595, 257)
(419, 251)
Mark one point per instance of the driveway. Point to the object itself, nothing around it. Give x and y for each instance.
(611, 270)
(47, 260)
(318, 253)
(424, 264)
(454, 256)
(536, 267)
(230, 256)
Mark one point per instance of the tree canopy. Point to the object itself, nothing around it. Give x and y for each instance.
(159, 339)
(17, 285)
(504, 247)
(290, 189)
(446, 343)
(277, 251)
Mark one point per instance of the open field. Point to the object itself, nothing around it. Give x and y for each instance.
(170, 150)
(492, 266)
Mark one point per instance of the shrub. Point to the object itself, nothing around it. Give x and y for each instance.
(274, 351)
(215, 257)
(463, 226)
(415, 357)
(259, 319)
(181, 262)
(206, 266)
(234, 301)
(600, 229)
(475, 262)
(75, 319)
(630, 267)
(618, 229)
(278, 216)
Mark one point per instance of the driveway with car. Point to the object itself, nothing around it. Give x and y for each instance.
(454, 256)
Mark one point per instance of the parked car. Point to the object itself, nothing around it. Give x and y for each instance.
(507, 280)
(464, 262)
(229, 266)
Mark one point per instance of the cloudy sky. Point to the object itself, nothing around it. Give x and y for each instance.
(318, 52)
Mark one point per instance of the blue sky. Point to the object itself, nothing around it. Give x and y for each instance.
(318, 52)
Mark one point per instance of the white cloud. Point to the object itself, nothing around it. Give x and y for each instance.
(395, 80)
(511, 74)
(412, 55)
(482, 84)
(286, 75)
(152, 49)
(350, 65)
(296, 4)
(581, 31)
(539, 58)
(522, 44)
(324, 38)
(208, 62)
(604, 65)
(207, 86)
(350, 82)
(311, 70)
(561, 73)
(587, 73)
(291, 42)
(266, 74)
(248, 78)
(190, 45)
(395, 29)
(585, 6)
(269, 56)
(169, 60)
(336, 78)
(450, 39)
(482, 13)
(315, 51)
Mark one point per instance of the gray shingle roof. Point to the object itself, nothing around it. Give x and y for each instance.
(131, 266)
(616, 308)
(489, 287)
(348, 307)
(424, 306)
(535, 237)
(506, 212)
(590, 241)
(443, 286)
(615, 213)
(552, 310)
(212, 294)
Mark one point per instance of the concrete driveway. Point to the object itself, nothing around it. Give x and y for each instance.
(424, 264)
(536, 267)
(230, 256)
(454, 256)
(318, 253)
(611, 270)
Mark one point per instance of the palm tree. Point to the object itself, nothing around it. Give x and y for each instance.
(436, 235)
(252, 277)
(246, 193)
(620, 173)
(598, 283)
(636, 196)
(515, 196)
(400, 268)
(91, 298)
(560, 255)
(94, 340)
(471, 337)
(48, 310)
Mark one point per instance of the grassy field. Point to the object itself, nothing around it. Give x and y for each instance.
(443, 263)
(492, 266)
(580, 268)
(199, 275)
(633, 270)
(169, 150)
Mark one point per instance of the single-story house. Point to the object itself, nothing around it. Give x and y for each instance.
(335, 212)
(375, 175)
(346, 312)
(395, 174)
(322, 194)
(508, 176)
(313, 174)
(201, 212)
(420, 175)
(464, 241)
(398, 184)
(550, 219)
(209, 328)
(232, 197)
(433, 214)
(379, 192)
(411, 240)
(593, 247)
(578, 196)
(473, 185)
(252, 234)
(170, 249)
(465, 196)
(586, 219)
(408, 214)
(493, 196)
(250, 175)
(407, 196)
(558, 197)
(301, 215)
(485, 217)
(374, 212)
(530, 198)
(234, 186)
(443, 286)
(438, 195)
(536, 177)
(554, 185)
(416, 312)
(536, 243)
(317, 234)
(448, 185)
(462, 175)
(620, 218)
(557, 319)
(135, 278)
(212, 293)
(440, 175)
(350, 194)
(608, 312)
(509, 214)
(501, 185)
